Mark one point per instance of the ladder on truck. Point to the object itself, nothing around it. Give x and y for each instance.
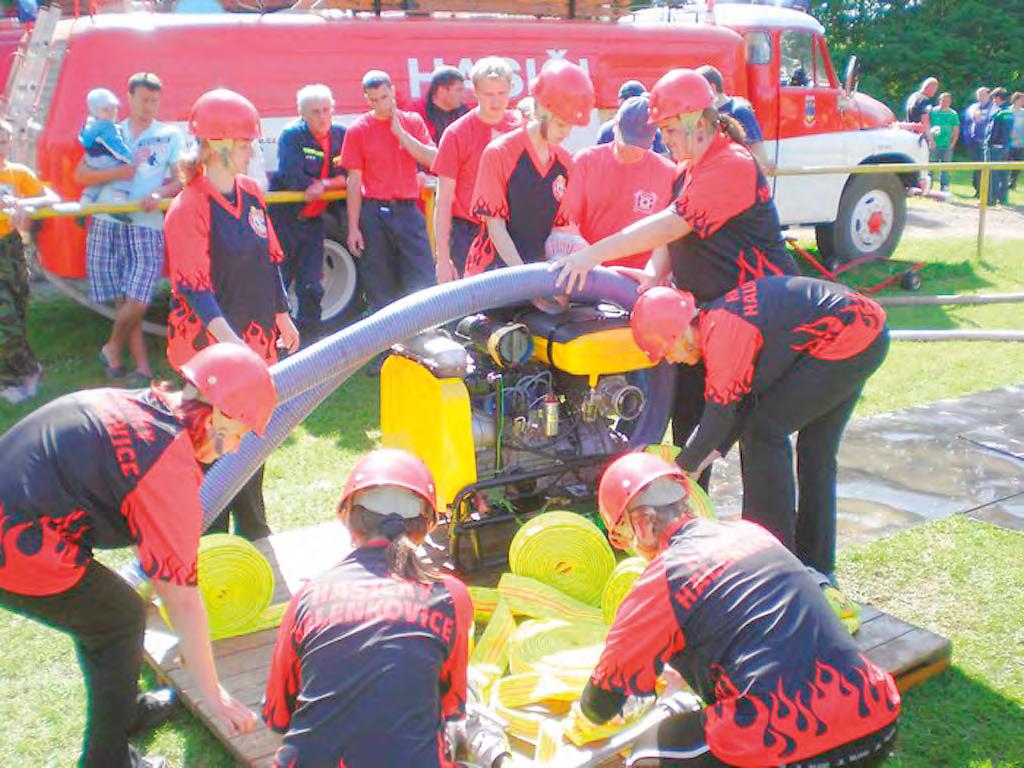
(26, 100)
(565, 9)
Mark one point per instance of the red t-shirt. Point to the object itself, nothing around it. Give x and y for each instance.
(389, 171)
(604, 195)
(458, 155)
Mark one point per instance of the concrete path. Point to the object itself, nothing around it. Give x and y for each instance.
(963, 456)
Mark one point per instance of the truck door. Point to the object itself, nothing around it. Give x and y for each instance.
(810, 128)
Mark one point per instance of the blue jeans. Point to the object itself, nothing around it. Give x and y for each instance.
(942, 155)
(999, 189)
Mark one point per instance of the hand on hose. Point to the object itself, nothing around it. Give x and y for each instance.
(573, 269)
(580, 729)
(233, 714)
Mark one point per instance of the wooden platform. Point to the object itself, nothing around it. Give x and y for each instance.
(911, 654)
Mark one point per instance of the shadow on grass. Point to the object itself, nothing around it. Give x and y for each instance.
(956, 720)
(351, 415)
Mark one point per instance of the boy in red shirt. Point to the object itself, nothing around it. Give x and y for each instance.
(614, 185)
(387, 233)
(458, 160)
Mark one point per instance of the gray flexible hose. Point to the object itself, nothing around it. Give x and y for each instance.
(955, 335)
(305, 379)
(957, 299)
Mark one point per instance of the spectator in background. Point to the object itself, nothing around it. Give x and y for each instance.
(945, 131)
(387, 232)
(614, 185)
(997, 146)
(309, 159)
(20, 190)
(1017, 137)
(919, 104)
(458, 160)
(740, 110)
(972, 132)
(124, 260)
(629, 90)
(443, 105)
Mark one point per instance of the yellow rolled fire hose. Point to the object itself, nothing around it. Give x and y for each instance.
(529, 597)
(565, 551)
(237, 585)
(554, 645)
(619, 585)
(485, 600)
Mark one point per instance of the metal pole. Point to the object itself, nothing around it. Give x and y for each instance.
(982, 209)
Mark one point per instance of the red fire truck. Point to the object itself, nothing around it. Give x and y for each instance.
(815, 119)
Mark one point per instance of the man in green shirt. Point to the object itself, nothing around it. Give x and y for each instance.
(945, 130)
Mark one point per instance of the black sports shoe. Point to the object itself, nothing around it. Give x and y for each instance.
(150, 761)
(152, 709)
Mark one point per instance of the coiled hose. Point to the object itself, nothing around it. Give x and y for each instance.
(305, 379)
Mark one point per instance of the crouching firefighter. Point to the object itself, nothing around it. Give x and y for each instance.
(782, 355)
(745, 625)
(111, 468)
(371, 657)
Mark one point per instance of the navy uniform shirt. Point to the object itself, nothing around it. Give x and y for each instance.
(745, 624)
(368, 667)
(302, 158)
(755, 334)
(736, 235)
(512, 184)
(102, 468)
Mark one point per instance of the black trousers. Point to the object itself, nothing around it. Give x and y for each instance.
(107, 620)
(397, 259)
(303, 243)
(815, 400)
(462, 235)
(679, 743)
(249, 510)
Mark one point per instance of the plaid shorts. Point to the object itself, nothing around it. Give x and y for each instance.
(123, 260)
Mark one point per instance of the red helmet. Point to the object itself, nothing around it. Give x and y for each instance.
(679, 91)
(394, 467)
(564, 90)
(224, 114)
(626, 477)
(660, 316)
(234, 380)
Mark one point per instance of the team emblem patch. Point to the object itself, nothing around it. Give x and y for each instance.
(558, 187)
(644, 202)
(258, 221)
(809, 110)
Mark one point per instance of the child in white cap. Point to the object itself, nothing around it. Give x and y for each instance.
(103, 141)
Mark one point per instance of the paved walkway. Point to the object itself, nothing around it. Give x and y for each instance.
(963, 456)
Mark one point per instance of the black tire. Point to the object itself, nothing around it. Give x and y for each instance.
(851, 236)
(911, 280)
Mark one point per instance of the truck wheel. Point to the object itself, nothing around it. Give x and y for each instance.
(872, 214)
(340, 283)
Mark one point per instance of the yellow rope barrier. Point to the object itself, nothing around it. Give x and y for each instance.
(565, 551)
(619, 585)
(237, 585)
(555, 645)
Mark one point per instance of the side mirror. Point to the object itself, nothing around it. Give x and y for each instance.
(851, 76)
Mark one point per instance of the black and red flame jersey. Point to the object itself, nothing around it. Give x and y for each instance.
(751, 337)
(515, 185)
(98, 469)
(368, 667)
(222, 258)
(744, 623)
(736, 237)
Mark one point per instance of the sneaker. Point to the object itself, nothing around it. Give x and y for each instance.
(31, 382)
(152, 709)
(135, 760)
(110, 371)
(15, 394)
(138, 380)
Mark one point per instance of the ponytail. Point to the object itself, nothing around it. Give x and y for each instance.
(728, 125)
(402, 535)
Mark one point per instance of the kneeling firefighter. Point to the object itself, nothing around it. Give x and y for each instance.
(111, 468)
(371, 658)
(783, 355)
(745, 625)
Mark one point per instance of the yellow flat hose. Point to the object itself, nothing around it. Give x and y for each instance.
(554, 645)
(490, 656)
(536, 687)
(485, 600)
(619, 585)
(237, 585)
(529, 597)
(565, 551)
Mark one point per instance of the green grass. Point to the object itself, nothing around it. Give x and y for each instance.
(958, 577)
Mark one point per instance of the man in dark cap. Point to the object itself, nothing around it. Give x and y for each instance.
(629, 90)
